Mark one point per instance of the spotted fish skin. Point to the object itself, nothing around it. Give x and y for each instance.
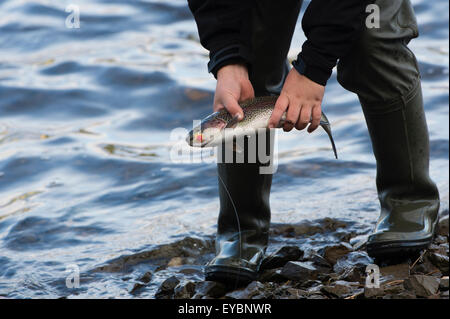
(257, 112)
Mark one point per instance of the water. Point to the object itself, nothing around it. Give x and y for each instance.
(85, 121)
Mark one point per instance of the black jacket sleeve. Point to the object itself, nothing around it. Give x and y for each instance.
(223, 30)
(331, 27)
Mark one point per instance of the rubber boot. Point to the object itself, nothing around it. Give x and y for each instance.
(384, 73)
(409, 199)
(244, 218)
(243, 224)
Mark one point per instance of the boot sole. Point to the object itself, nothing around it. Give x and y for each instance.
(401, 249)
(230, 276)
(397, 249)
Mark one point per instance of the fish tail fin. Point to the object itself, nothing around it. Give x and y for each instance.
(327, 128)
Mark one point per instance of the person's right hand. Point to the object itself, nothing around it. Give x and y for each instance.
(233, 86)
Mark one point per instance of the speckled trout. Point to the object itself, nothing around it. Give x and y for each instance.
(257, 113)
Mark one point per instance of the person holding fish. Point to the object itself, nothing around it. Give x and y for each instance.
(248, 42)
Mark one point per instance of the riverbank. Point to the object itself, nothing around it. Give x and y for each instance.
(336, 271)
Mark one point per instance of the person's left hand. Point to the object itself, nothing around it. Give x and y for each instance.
(302, 98)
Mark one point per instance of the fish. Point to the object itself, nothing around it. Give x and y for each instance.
(257, 112)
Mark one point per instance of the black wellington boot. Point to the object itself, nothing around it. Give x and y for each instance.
(409, 198)
(243, 225)
(244, 218)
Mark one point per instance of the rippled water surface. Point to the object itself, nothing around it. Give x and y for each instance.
(86, 116)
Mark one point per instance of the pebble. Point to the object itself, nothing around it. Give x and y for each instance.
(166, 289)
(333, 253)
(210, 289)
(440, 261)
(272, 275)
(336, 271)
(299, 271)
(354, 259)
(253, 289)
(395, 272)
(422, 285)
(341, 289)
(281, 257)
(184, 291)
(443, 284)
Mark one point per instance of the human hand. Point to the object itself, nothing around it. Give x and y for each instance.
(233, 86)
(302, 98)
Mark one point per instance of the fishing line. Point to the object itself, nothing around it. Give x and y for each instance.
(237, 216)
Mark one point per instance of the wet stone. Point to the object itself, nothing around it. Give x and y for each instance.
(333, 253)
(373, 292)
(310, 284)
(359, 243)
(327, 277)
(341, 289)
(288, 292)
(188, 248)
(146, 278)
(354, 259)
(184, 291)
(422, 285)
(137, 288)
(319, 261)
(440, 239)
(315, 290)
(344, 235)
(166, 289)
(354, 274)
(443, 284)
(253, 289)
(175, 261)
(394, 272)
(425, 267)
(299, 271)
(210, 289)
(440, 261)
(190, 271)
(272, 275)
(308, 228)
(281, 257)
(294, 293)
(401, 295)
(317, 296)
(440, 249)
(394, 287)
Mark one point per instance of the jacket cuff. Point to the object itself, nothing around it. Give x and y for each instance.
(316, 74)
(231, 54)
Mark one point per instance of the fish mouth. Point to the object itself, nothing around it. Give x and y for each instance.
(196, 142)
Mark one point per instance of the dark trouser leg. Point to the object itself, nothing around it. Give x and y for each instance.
(244, 218)
(384, 74)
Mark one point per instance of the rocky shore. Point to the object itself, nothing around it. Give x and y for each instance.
(336, 270)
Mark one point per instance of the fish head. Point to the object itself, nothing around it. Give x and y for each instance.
(208, 133)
